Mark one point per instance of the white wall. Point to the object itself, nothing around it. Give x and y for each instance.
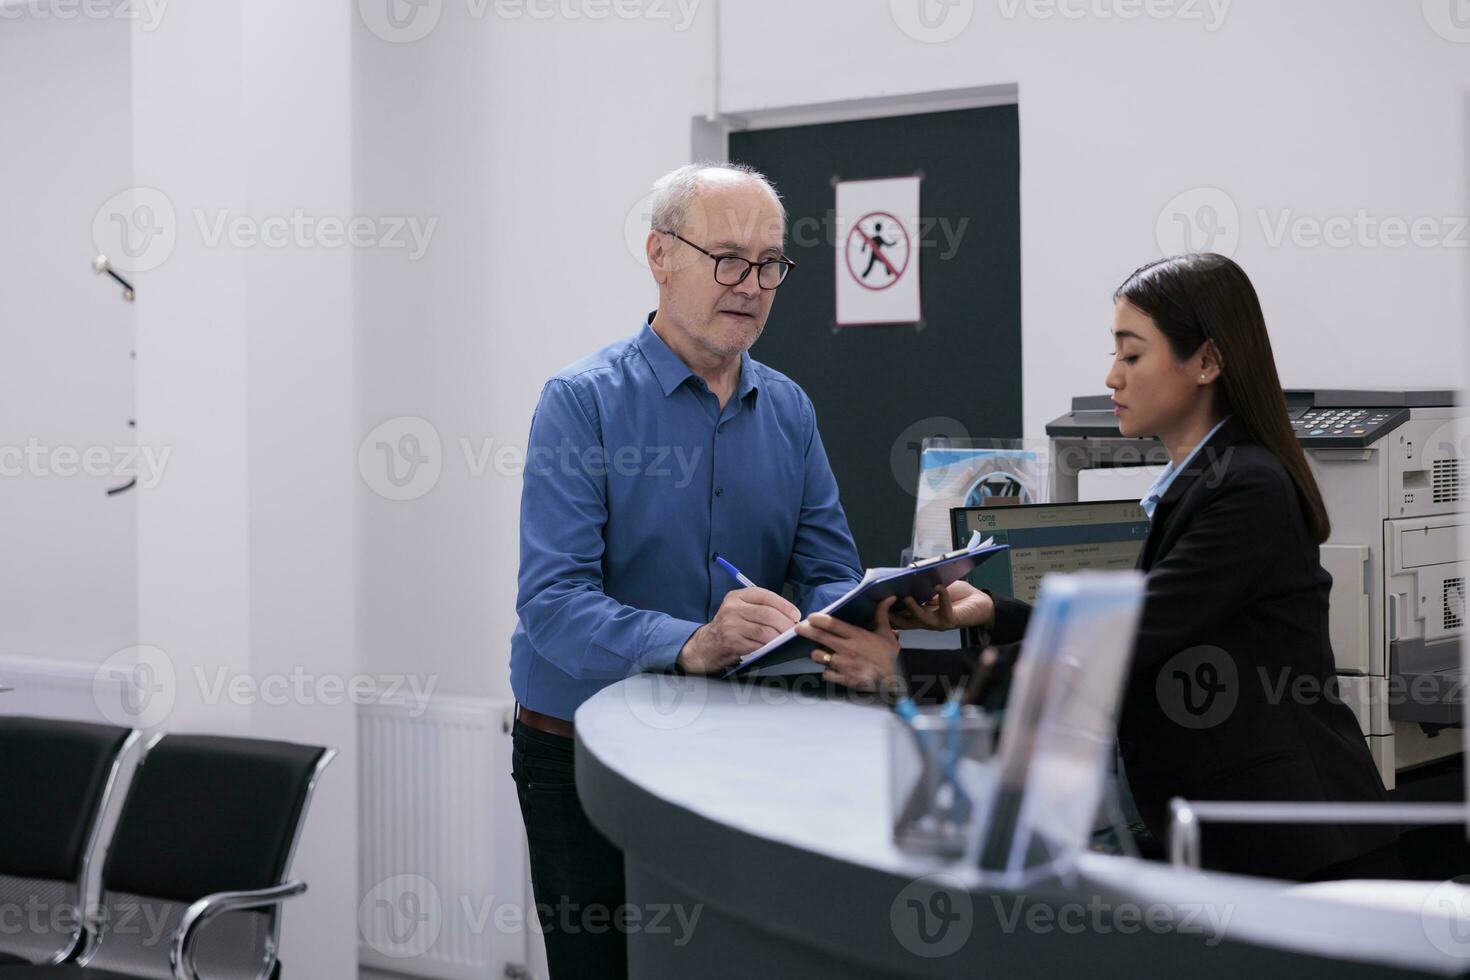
(302, 488)
(241, 112)
(1316, 107)
(240, 558)
(68, 375)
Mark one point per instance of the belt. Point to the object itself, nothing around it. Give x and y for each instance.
(544, 723)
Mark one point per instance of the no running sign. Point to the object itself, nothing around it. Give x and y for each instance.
(878, 251)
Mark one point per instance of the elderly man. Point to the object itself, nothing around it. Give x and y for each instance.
(645, 461)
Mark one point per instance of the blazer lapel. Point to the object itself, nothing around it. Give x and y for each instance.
(1163, 528)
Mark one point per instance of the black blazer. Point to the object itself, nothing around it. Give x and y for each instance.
(1231, 692)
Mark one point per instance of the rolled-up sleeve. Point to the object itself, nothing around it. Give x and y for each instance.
(824, 559)
(568, 617)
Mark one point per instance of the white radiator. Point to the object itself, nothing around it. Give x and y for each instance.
(442, 869)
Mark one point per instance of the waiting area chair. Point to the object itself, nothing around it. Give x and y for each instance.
(197, 868)
(55, 781)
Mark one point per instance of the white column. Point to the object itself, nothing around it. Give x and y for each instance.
(242, 113)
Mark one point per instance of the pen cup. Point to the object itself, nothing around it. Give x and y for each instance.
(936, 778)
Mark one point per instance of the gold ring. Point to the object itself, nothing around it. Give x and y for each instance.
(827, 662)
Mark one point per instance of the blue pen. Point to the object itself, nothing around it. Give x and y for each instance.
(735, 573)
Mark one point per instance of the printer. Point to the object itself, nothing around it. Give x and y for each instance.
(1394, 471)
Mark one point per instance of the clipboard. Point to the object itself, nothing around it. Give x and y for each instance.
(791, 654)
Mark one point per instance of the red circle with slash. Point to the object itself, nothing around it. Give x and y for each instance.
(857, 230)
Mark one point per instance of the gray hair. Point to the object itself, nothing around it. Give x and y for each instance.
(674, 192)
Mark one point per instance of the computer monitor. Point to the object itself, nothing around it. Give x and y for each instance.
(1102, 535)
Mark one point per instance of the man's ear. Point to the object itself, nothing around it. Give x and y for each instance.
(656, 247)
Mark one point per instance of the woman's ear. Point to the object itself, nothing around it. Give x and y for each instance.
(1210, 365)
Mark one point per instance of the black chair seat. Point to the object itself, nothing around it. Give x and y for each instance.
(64, 972)
(28, 971)
(55, 777)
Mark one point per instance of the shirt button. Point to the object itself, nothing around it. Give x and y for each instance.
(719, 491)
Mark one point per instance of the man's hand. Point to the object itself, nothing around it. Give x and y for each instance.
(748, 619)
(960, 605)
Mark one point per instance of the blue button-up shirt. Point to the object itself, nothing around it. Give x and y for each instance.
(1161, 484)
(634, 479)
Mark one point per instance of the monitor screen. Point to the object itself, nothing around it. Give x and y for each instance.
(1100, 536)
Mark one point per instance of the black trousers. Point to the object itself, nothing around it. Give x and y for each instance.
(576, 872)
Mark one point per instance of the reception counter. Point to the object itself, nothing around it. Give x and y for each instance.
(754, 822)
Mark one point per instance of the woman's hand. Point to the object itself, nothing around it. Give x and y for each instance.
(864, 660)
(958, 606)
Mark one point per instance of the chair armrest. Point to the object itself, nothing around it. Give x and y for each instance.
(1185, 817)
(202, 912)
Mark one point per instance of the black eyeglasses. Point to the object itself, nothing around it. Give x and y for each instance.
(731, 270)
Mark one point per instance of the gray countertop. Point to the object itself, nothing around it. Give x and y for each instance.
(798, 777)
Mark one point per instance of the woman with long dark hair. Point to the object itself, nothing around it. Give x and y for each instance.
(1236, 594)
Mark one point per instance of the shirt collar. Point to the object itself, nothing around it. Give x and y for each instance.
(671, 370)
(1165, 479)
(748, 382)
